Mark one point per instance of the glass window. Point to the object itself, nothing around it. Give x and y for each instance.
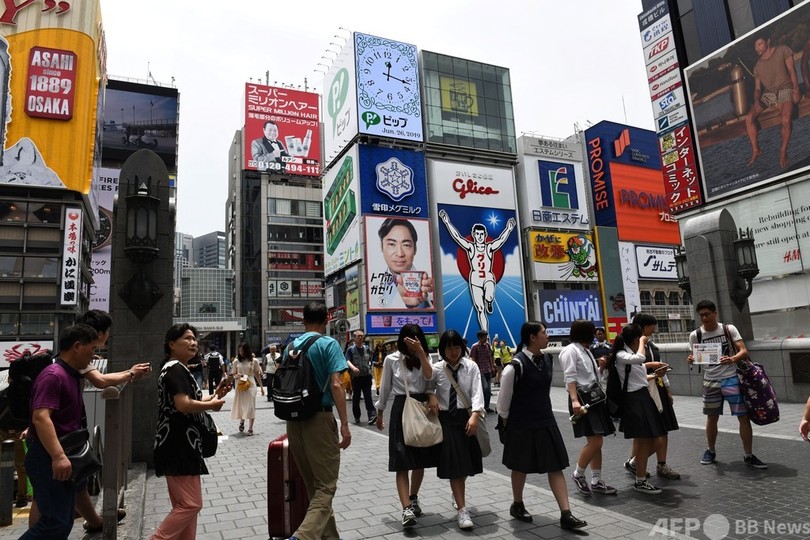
(44, 213)
(313, 208)
(675, 326)
(645, 298)
(9, 323)
(283, 207)
(11, 266)
(660, 298)
(674, 298)
(13, 211)
(663, 326)
(36, 324)
(41, 267)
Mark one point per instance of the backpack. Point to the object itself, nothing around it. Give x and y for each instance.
(15, 399)
(296, 395)
(214, 361)
(615, 391)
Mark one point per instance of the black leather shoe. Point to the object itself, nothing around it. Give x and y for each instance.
(518, 511)
(569, 522)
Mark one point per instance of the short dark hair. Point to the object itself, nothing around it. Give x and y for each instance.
(644, 319)
(315, 313)
(99, 320)
(582, 331)
(600, 329)
(481, 333)
(479, 227)
(450, 338)
(174, 333)
(705, 304)
(390, 223)
(528, 329)
(269, 122)
(629, 333)
(83, 333)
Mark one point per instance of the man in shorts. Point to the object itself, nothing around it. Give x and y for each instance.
(720, 382)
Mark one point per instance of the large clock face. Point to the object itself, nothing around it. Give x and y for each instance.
(387, 77)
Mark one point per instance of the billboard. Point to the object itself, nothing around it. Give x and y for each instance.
(558, 309)
(388, 99)
(282, 130)
(105, 186)
(738, 97)
(632, 292)
(627, 184)
(479, 249)
(392, 323)
(393, 181)
(341, 217)
(51, 63)
(339, 104)
(71, 276)
(562, 256)
(403, 277)
(551, 190)
(140, 116)
(656, 262)
(611, 290)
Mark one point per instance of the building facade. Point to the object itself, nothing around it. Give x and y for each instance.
(209, 250)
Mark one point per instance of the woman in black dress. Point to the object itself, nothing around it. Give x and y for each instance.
(533, 441)
(178, 442)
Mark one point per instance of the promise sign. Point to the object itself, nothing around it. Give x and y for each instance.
(51, 83)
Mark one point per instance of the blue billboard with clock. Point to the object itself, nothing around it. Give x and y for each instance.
(388, 99)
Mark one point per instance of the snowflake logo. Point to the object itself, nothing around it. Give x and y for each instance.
(395, 179)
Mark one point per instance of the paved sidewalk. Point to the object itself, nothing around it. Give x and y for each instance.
(367, 506)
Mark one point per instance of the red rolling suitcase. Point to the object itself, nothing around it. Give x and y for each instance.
(287, 498)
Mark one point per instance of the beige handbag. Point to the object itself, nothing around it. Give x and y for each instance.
(656, 397)
(418, 428)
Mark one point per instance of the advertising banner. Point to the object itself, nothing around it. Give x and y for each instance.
(52, 59)
(106, 187)
(680, 168)
(352, 292)
(560, 256)
(71, 275)
(388, 98)
(392, 323)
(340, 104)
(656, 262)
(341, 218)
(559, 309)
(479, 249)
(12, 350)
(627, 184)
(632, 292)
(393, 181)
(282, 130)
(610, 279)
(738, 96)
(403, 277)
(140, 116)
(552, 191)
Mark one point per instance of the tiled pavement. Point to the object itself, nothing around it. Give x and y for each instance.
(366, 504)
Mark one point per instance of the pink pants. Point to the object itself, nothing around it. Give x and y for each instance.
(185, 493)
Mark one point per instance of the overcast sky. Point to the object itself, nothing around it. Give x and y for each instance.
(570, 61)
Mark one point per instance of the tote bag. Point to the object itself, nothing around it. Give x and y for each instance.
(418, 428)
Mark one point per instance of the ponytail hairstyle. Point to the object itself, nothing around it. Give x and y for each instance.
(644, 319)
(528, 329)
(630, 333)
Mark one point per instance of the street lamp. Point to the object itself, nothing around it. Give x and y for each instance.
(141, 293)
(747, 268)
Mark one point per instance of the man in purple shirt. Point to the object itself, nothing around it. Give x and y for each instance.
(56, 405)
(481, 353)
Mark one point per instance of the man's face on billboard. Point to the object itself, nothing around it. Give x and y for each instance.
(271, 132)
(480, 236)
(760, 46)
(399, 249)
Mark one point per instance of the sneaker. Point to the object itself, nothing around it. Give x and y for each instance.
(408, 518)
(708, 457)
(357, 420)
(631, 468)
(569, 522)
(646, 487)
(417, 510)
(464, 521)
(372, 420)
(604, 489)
(753, 461)
(518, 511)
(666, 471)
(581, 484)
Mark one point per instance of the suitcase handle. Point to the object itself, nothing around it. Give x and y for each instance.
(289, 491)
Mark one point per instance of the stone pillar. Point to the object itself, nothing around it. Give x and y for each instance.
(709, 242)
(134, 340)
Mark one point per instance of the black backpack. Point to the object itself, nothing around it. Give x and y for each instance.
(214, 361)
(615, 392)
(296, 395)
(15, 399)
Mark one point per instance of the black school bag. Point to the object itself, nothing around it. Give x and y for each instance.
(15, 400)
(615, 391)
(296, 395)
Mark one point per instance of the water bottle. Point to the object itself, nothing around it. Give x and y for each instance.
(575, 418)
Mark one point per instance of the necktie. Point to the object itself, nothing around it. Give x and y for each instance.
(452, 402)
